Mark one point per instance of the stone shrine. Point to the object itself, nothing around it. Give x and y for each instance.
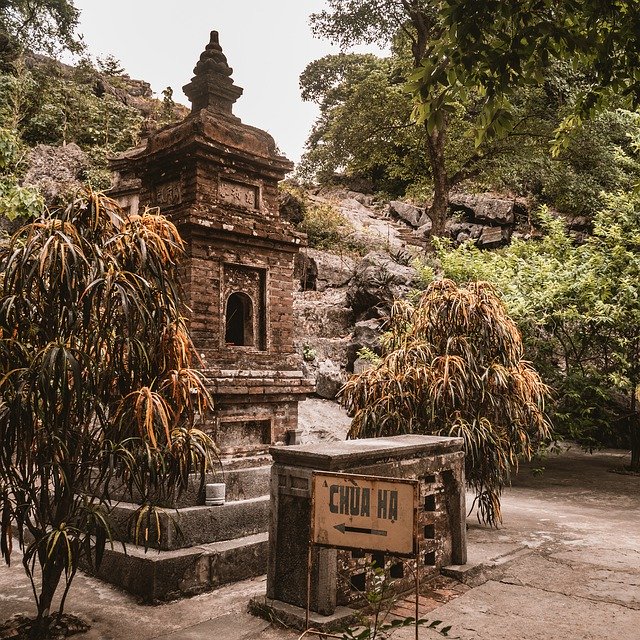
(217, 180)
(340, 577)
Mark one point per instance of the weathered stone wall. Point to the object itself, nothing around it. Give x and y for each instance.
(207, 293)
(341, 577)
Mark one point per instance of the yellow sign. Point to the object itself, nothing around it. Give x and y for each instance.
(364, 512)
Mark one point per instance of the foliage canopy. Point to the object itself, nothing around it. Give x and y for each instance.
(37, 25)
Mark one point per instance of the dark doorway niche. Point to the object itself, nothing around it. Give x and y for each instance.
(245, 310)
(239, 320)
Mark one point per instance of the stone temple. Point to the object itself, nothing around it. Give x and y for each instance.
(216, 179)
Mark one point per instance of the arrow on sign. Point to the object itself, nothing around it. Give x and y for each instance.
(343, 528)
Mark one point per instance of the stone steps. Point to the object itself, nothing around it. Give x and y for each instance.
(157, 576)
(247, 478)
(192, 526)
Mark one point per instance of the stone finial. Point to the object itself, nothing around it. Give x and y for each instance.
(212, 86)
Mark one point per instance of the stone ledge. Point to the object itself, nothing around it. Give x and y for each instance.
(157, 576)
(294, 617)
(192, 526)
(470, 574)
(333, 456)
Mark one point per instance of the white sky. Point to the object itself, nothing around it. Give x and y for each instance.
(268, 43)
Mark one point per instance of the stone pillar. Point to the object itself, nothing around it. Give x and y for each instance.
(438, 463)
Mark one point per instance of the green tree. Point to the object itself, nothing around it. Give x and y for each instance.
(453, 365)
(380, 21)
(95, 384)
(363, 128)
(16, 201)
(37, 25)
(366, 125)
(110, 66)
(579, 311)
(498, 46)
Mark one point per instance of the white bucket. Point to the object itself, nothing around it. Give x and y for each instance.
(215, 494)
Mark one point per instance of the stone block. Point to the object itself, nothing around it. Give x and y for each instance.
(192, 526)
(157, 576)
(340, 576)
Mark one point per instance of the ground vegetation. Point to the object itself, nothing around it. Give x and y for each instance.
(577, 307)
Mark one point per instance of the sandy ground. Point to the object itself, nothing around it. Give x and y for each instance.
(565, 565)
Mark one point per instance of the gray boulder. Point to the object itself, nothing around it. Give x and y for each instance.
(305, 270)
(484, 208)
(424, 230)
(56, 171)
(377, 281)
(493, 237)
(329, 379)
(323, 314)
(455, 229)
(332, 270)
(366, 333)
(407, 212)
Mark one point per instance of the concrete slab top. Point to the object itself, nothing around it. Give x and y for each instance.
(338, 455)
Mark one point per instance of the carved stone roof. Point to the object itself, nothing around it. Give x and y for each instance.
(212, 87)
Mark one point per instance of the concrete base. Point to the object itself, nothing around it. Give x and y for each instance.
(156, 576)
(192, 526)
(293, 617)
(469, 574)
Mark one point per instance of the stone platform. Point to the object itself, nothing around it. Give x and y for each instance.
(199, 547)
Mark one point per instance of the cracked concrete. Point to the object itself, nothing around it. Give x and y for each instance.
(564, 566)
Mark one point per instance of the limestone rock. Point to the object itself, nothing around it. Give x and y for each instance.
(322, 420)
(485, 208)
(366, 333)
(375, 284)
(494, 237)
(332, 270)
(370, 227)
(305, 270)
(56, 171)
(454, 229)
(323, 314)
(407, 212)
(424, 230)
(329, 379)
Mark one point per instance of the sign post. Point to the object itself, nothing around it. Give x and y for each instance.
(369, 513)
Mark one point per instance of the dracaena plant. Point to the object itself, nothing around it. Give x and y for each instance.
(453, 365)
(96, 384)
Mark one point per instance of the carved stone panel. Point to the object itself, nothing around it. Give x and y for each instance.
(239, 194)
(169, 194)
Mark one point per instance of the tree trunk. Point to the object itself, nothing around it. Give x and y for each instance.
(635, 431)
(51, 574)
(438, 210)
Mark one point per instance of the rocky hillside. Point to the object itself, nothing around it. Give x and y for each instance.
(344, 297)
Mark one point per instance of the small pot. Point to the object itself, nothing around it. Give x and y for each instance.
(215, 494)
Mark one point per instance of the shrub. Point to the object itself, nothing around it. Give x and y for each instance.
(453, 365)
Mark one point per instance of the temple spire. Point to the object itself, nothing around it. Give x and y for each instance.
(212, 86)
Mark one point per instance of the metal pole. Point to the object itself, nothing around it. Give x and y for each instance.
(308, 585)
(417, 544)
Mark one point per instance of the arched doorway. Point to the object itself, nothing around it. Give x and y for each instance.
(239, 320)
